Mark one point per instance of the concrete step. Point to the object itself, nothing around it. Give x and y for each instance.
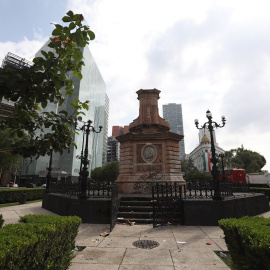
(136, 198)
(136, 220)
(136, 203)
(135, 208)
(135, 214)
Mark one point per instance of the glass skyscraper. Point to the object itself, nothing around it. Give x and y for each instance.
(91, 87)
(172, 113)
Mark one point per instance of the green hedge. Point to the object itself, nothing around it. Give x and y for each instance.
(38, 242)
(248, 240)
(265, 191)
(1, 221)
(14, 195)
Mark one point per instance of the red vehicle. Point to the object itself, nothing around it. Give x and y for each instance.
(234, 175)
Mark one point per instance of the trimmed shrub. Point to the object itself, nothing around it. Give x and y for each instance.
(1, 221)
(248, 240)
(38, 242)
(14, 195)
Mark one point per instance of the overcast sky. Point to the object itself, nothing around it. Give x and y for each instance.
(203, 54)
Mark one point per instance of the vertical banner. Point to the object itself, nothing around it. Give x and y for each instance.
(206, 162)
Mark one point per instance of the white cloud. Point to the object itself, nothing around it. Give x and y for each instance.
(25, 48)
(203, 54)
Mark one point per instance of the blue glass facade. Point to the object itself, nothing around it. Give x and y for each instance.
(92, 87)
(172, 113)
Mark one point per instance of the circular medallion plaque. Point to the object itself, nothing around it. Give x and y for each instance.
(149, 153)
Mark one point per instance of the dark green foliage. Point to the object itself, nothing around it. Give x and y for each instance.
(1, 221)
(14, 195)
(196, 175)
(248, 241)
(38, 242)
(107, 173)
(242, 158)
(192, 173)
(188, 165)
(9, 162)
(46, 81)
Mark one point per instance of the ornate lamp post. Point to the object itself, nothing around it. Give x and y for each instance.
(81, 156)
(49, 174)
(222, 156)
(86, 128)
(215, 172)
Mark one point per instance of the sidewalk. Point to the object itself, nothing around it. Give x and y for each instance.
(180, 247)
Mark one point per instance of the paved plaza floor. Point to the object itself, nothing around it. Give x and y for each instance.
(180, 247)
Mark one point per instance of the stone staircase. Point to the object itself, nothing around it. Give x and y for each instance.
(135, 208)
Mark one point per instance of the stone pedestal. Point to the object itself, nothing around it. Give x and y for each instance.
(148, 148)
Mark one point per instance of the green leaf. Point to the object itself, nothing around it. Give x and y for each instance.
(38, 60)
(67, 19)
(77, 55)
(91, 34)
(70, 13)
(72, 26)
(44, 103)
(44, 53)
(78, 74)
(56, 32)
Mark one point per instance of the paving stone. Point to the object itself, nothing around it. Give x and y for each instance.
(213, 231)
(158, 232)
(164, 243)
(197, 243)
(127, 231)
(221, 244)
(196, 256)
(189, 235)
(118, 241)
(201, 267)
(82, 266)
(95, 255)
(145, 267)
(147, 257)
(88, 241)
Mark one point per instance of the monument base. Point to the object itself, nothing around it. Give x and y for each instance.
(208, 212)
(130, 184)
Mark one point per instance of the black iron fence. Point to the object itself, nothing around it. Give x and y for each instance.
(190, 190)
(114, 205)
(93, 189)
(205, 190)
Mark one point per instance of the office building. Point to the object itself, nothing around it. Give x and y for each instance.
(172, 113)
(91, 87)
(13, 62)
(118, 130)
(113, 146)
(113, 150)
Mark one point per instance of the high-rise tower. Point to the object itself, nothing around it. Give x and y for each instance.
(91, 87)
(172, 113)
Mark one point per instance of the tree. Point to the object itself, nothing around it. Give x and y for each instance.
(107, 173)
(46, 81)
(246, 159)
(10, 162)
(187, 165)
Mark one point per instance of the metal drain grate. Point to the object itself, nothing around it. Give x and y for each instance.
(146, 244)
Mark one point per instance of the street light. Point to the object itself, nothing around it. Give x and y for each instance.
(210, 125)
(81, 156)
(49, 174)
(222, 156)
(86, 128)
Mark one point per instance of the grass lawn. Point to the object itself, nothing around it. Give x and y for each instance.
(17, 203)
